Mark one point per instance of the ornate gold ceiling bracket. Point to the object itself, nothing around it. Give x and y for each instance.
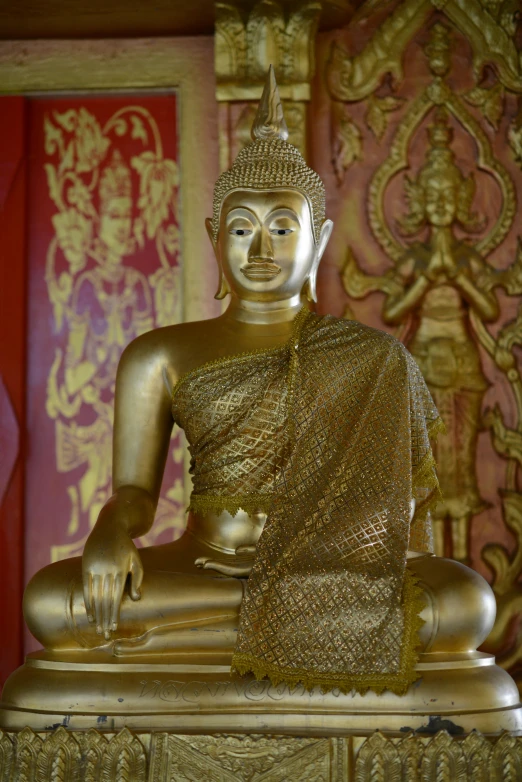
(438, 94)
(245, 47)
(355, 78)
(246, 44)
(490, 42)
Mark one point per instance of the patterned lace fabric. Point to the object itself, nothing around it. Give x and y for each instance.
(234, 412)
(347, 418)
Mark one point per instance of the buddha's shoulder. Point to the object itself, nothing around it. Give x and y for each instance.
(167, 346)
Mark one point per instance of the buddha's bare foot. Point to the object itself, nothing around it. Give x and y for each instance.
(217, 633)
(236, 565)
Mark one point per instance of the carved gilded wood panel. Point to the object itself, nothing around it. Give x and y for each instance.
(418, 136)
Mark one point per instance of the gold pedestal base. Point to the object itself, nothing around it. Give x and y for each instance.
(64, 756)
(458, 693)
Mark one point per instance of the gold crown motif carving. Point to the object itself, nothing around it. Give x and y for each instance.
(115, 180)
(440, 157)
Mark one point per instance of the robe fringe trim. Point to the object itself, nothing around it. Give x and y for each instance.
(204, 504)
(413, 603)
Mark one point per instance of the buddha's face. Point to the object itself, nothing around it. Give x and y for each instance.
(116, 224)
(440, 199)
(265, 244)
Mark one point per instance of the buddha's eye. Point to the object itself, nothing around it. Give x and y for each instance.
(240, 231)
(281, 231)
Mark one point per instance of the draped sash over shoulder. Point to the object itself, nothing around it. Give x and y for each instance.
(331, 432)
(234, 412)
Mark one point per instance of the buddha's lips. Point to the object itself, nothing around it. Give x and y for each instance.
(261, 270)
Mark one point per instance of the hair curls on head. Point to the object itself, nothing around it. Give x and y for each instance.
(270, 161)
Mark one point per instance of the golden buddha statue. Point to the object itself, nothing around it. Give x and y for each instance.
(440, 283)
(307, 555)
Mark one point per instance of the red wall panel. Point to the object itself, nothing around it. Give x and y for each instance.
(104, 266)
(12, 376)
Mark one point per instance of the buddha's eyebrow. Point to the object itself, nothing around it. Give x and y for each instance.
(240, 211)
(283, 211)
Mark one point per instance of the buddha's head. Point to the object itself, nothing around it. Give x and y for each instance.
(116, 207)
(268, 228)
(440, 195)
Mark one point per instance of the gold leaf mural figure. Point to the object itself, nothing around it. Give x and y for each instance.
(99, 296)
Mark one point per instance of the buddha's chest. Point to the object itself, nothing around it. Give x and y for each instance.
(236, 406)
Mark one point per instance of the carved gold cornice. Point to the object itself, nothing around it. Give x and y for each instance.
(247, 43)
(355, 78)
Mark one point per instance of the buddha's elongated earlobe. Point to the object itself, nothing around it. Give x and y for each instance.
(309, 290)
(310, 287)
(224, 288)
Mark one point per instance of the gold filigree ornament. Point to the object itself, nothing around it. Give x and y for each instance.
(62, 756)
(507, 442)
(440, 196)
(506, 566)
(489, 30)
(437, 94)
(346, 141)
(491, 35)
(90, 277)
(444, 760)
(378, 759)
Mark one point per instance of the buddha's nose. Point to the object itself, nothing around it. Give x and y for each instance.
(262, 250)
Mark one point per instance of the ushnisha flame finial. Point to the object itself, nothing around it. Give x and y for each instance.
(269, 121)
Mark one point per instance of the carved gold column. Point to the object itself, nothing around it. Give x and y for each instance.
(246, 43)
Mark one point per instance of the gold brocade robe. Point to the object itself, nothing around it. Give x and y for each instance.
(332, 431)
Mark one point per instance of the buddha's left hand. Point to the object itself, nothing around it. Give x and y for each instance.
(236, 565)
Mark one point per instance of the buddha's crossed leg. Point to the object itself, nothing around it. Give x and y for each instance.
(177, 610)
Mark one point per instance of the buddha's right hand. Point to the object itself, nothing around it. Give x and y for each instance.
(108, 559)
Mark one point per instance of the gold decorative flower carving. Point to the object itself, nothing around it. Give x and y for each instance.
(91, 144)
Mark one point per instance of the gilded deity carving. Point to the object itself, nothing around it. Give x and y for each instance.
(98, 295)
(247, 42)
(444, 333)
(438, 283)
